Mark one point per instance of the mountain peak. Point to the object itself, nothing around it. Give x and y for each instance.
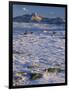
(34, 17)
(34, 14)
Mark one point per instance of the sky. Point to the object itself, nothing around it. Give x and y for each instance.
(45, 11)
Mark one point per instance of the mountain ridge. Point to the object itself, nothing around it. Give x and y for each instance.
(34, 18)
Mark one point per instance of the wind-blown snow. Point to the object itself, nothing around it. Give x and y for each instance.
(41, 50)
(37, 25)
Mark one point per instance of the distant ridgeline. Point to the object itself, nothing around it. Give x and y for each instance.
(34, 18)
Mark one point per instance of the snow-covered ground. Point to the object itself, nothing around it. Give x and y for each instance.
(37, 25)
(38, 58)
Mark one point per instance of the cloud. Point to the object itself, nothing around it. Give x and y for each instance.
(25, 9)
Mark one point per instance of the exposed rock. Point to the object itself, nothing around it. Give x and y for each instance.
(34, 76)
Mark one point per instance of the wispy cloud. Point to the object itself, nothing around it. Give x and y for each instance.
(24, 9)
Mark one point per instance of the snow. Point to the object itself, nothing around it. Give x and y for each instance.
(44, 50)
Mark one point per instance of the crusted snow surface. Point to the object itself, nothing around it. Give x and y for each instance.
(35, 52)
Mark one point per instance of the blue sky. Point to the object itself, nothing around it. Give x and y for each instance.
(46, 11)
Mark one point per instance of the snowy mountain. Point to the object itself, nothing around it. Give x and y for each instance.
(34, 18)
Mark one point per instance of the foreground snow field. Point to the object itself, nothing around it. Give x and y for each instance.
(38, 56)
